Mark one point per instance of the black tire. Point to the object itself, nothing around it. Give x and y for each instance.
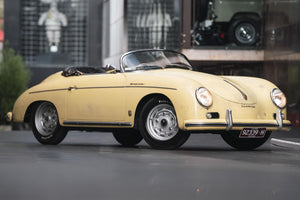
(232, 138)
(244, 31)
(45, 124)
(159, 112)
(20, 126)
(128, 137)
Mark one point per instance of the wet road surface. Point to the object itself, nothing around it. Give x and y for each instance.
(91, 165)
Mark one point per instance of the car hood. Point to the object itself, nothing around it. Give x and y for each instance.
(230, 89)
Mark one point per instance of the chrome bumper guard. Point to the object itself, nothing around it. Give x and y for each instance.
(279, 119)
(229, 119)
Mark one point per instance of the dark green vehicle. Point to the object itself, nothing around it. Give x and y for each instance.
(228, 21)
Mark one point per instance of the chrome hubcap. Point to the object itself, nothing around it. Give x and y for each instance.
(46, 119)
(245, 33)
(161, 122)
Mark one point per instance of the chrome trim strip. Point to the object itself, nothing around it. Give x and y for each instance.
(108, 87)
(156, 87)
(77, 123)
(235, 125)
(205, 124)
(53, 90)
(254, 125)
(131, 86)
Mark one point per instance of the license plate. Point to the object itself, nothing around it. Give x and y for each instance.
(253, 133)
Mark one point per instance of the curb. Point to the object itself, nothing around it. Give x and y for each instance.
(5, 128)
(285, 143)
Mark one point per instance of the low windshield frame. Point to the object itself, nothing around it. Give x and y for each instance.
(163, 53)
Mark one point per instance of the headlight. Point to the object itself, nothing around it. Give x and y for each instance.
(278, 98)
(204, 97)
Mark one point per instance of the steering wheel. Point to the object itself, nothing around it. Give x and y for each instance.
(110, 69)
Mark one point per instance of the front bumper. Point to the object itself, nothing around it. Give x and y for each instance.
(231, 124)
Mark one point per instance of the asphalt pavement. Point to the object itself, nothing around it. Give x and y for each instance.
(92, 165)
(290, 139)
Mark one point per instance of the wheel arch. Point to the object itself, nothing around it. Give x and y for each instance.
(28, 112)
(240, 15)
(143, 101)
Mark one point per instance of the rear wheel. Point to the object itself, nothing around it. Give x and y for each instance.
(45, 124)
(127, 137)
(158, 125)
(232, 138)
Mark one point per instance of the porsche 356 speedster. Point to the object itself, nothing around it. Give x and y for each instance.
(156, 96)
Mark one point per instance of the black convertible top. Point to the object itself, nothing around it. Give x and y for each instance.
(77, 71)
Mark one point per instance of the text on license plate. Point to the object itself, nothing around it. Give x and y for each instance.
(253, 133)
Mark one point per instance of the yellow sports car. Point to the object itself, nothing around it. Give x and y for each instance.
(156, 96)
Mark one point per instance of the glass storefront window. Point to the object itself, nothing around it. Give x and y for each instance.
(154, 24)
(231, 23)
(54, 32)
(282, 51)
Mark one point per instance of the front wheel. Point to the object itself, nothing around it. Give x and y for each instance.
(45, 124)
(232, 138)
(158, 125)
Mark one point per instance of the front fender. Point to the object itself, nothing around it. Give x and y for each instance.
(20, 107)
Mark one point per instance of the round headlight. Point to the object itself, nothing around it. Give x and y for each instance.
(278, 98)
(204, 97)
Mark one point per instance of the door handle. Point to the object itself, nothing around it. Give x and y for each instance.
(72, 87)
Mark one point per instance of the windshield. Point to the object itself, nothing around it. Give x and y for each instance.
(153, 59)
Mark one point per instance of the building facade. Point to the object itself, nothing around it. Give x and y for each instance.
(225, 37)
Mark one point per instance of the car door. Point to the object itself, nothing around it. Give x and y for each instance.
(96, 99)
